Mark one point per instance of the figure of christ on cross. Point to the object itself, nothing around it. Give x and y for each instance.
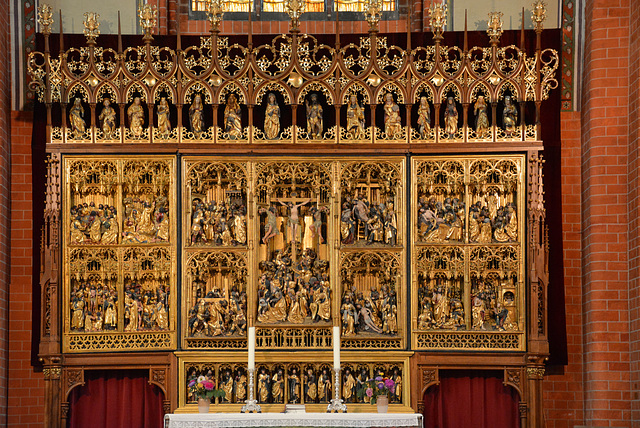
(294, 219)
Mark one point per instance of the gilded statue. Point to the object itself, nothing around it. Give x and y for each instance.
(135, 112)
(355, 119)
(506, 224)
(348, 387)
(272, 118)
(348, 311)
(310, 387)
(315, 125)
(264, 385)
(509, 116)
(392, 120)
(196, 116)
(277, 387)
(451, 118)
(294, 387)
(107, 119)
(76, 119)
(240, 386)
(396, 395)
(294, 219)
(271, 226)
(424, 118)
(164, 121)
(324, 386)
(227, 386)
(233, 118)
(482, 121)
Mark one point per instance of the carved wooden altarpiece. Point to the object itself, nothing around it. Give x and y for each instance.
(193, 192)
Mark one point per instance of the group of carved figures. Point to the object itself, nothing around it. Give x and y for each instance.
(91, 224)
(146, 308)
(374, 311)
(354, 382)
(232, 122)
(441, 307)
(94, 308)
(488, 221)
(144, 222)
(294, 290)
(364, 222)
(215, 313)
(220, 223)
(232, 382)
(312, 219)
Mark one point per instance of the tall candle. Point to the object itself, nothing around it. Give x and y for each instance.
(336, 347)
(252, 348)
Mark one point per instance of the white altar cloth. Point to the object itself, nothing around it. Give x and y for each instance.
(234, 420)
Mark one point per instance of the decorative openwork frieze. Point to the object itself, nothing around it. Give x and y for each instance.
(362, 92)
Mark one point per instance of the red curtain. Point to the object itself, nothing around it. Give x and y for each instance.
(468, 398)
(116, 399)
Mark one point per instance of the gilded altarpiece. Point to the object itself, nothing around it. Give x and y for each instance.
(468, 270)
(119, 253)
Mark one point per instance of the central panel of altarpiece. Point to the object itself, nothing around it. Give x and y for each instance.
(393, 193)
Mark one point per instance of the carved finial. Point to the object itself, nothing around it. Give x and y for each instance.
(215, 10)
(539, 14)
(147, 14)
(495, 27)
(91, 27)
(295, 9)
(45, 19)
(438, 19)
(372, 13)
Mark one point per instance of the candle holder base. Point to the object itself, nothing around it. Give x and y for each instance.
(252, 406)
(337, 406)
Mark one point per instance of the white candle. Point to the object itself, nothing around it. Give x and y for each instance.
(252, 348)
(336, 347)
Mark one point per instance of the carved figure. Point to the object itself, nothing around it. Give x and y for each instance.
(509, 116)
(310, 387)
(240, 386)
(196, 117)
(315, 126)
(348, 387)
(294, 220)
(272, 118)
(355, 119)
(136, 118)
(294, 387)
(107, 119)
(324, 386)
(424, 118)
(76, 119)
(392, 120)
(277, 387)
(164, 122)
(482, 121)
(233, 118)
(451, 118)
(271, 226)
(264, 386)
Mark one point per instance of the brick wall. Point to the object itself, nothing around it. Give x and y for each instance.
(5, 168)
(605, 217)
(26, 386)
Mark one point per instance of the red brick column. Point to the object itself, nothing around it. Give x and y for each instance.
(634, 205)
(605, 218)
(5, 153)
(564, 394)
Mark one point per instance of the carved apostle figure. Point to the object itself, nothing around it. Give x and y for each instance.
(272, 118)
(451, 118)
(315, 125)
(509, 116)
(355, 119)
(164, 123)
(424, 118)
(107, 119)
(392, 121)
(232, 118)
(196, 115)
(136, 117)
(482, 121)
(76, 119)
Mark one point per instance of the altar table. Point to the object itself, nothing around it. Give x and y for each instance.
(233, 420)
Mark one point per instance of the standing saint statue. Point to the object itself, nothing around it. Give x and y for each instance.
(272, 118)
(509, 116)
(232, 118)
(392, 121)
(424, 118)
(196, 115)
(107, 119)
(355, 119)
(164, 123)
(314, 118)
(136, 117)
(482, 121)
(451, 118)
(76, 119)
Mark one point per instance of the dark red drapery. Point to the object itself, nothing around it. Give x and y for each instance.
(116, 399)
(468, 398)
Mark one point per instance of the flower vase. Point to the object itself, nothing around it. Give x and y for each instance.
(203, 405)
(383, 403)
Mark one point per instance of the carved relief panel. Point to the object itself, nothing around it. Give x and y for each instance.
(468, 265)
(119, 237)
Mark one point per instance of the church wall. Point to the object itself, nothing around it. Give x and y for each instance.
(26, 384)
(605, 273)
